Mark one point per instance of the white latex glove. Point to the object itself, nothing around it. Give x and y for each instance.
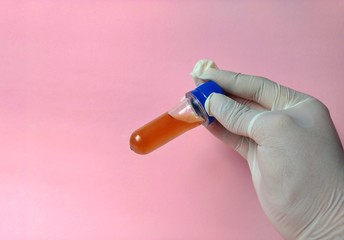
(292, 148)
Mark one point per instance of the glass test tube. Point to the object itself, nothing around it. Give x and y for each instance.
(188, 114)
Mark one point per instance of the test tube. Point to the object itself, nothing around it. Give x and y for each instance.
(186, 115)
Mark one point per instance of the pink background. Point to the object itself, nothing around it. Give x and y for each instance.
(77, 77)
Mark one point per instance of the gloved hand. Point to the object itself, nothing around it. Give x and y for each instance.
(292, 148)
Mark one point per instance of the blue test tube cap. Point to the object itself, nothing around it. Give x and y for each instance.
(200, 94)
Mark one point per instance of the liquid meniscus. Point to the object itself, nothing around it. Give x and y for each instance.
(158, 132)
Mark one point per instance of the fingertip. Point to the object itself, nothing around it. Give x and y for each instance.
(201, 67)
(211, 102)
(207, 104)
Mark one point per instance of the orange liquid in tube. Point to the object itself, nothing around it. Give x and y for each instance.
(158, 132)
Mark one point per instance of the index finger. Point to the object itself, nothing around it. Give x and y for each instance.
(265, 92)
